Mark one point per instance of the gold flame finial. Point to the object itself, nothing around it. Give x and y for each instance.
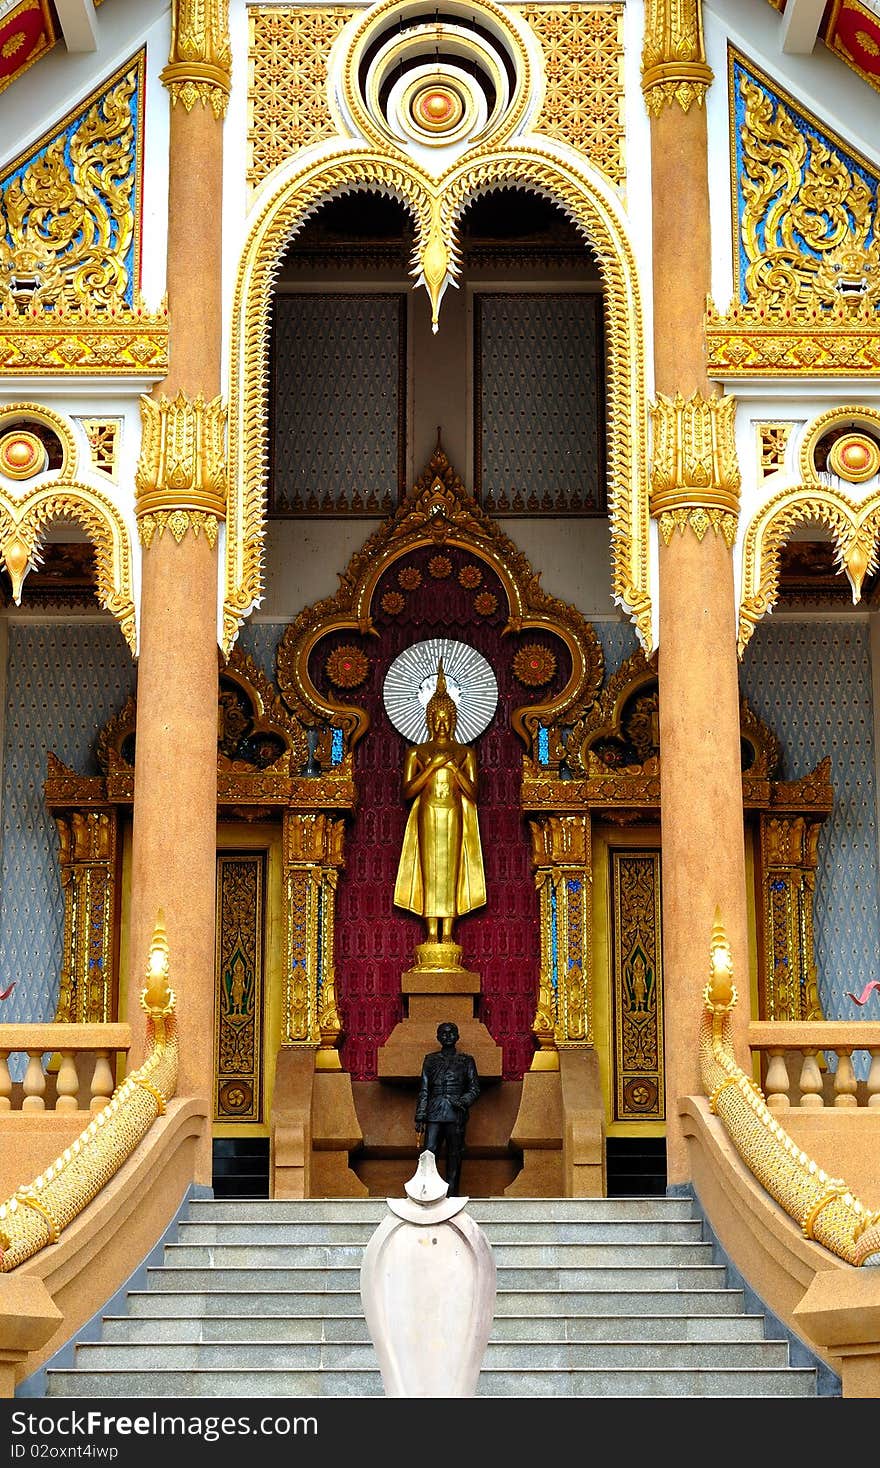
(158, 996)
(720, 991)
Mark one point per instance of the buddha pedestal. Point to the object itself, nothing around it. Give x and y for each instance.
(435, 989)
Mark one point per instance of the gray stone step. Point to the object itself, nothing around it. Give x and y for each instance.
(500, 1355)
(352, 1327)
(595, 1298)
(160, 1302)
(648, 1382)
(541, 1277)
(482, 1210)
(507, 1255)
(260, 1234)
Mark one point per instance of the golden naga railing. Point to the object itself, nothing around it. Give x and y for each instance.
(823, 1206)
(38, 1212)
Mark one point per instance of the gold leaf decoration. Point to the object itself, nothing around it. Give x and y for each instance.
(347, 666)
(534, 665)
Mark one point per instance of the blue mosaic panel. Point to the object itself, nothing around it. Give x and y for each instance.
(63, 684)
(811, 683)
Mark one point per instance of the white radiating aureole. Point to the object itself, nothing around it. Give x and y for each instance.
(412, 678)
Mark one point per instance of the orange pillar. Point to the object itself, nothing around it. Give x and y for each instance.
(694, 498)
(181, 500)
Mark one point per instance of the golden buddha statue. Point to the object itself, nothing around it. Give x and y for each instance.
(440, 875)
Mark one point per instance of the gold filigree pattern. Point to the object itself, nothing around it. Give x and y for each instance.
(287, 100)
(87, 850)
(854, 527)
(72, 341)
(583, 78)
(561, 857)
(238, 1022)
(674, 66)
(178, 523)
(68, 218)
(773, 440)
(200, 60)
(824, 1208)
(38, 1213)
(807, 217)
(637, 992)
(103, 439)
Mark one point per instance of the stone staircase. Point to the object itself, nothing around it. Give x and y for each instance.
(606, 1297)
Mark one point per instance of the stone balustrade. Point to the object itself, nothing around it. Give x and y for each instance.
(809, 1065)
(69, 1068)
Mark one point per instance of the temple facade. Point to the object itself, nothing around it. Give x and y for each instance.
(527, 348)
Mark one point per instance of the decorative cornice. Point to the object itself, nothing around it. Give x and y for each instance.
(200, 63)
(674, 66)
(695, 476)
(181, 474)
(92, 340)
(756, 339)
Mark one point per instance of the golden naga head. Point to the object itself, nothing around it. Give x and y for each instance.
(158, 998)
(720, 993)
(441, 708)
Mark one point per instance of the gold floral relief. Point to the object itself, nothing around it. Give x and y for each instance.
(583, 78)
(287, 97)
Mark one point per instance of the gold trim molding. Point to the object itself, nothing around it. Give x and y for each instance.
(200, 62)
(854, 527)
(695, 477)
(91, 340)
(182, 466)
(674, 65)
(760, 339)
(436, 205)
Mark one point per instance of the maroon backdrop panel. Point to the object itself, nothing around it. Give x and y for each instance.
(375, 941)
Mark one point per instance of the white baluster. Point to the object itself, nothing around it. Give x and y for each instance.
(67, 1083)
(5, 1082)
(845, 1084)
(873, 1082)
(34, 1085)
(811, 1082)
(777, 1083)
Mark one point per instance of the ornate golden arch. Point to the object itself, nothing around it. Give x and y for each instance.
(24, 521)
(436, 205)
(854, 526)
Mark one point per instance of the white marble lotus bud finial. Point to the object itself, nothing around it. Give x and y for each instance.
(426, 1185)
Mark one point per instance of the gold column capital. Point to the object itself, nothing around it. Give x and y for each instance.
(181, 476)
(695, 478)
(200, 62)
(674, 66)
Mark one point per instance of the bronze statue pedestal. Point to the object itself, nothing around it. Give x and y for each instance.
(435, 989)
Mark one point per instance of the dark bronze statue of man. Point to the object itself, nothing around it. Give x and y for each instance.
(449, 1087)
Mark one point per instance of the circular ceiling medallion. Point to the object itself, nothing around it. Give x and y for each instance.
(22, 455)
(854, 457)
(412, 678)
